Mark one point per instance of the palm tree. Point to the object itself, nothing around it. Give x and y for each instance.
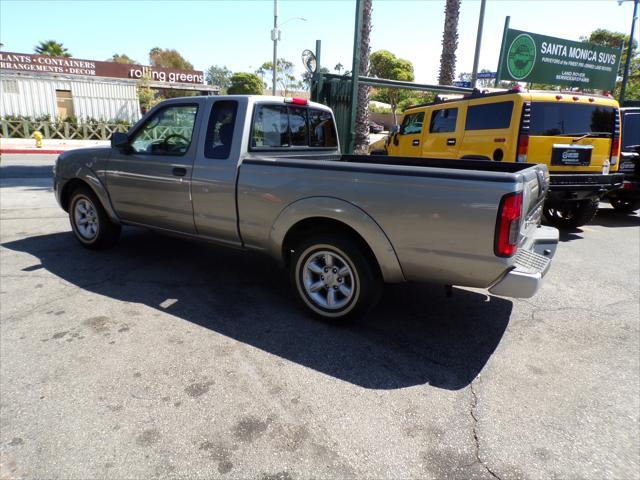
(449, 42)
(51, 48)
(361, 145)
(339, 67)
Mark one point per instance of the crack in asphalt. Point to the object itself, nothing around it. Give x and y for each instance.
(472, 412)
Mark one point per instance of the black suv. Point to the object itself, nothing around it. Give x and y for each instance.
(627, 198)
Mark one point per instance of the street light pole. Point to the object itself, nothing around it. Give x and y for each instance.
(476, 57)
(275, 34)
(627, 63)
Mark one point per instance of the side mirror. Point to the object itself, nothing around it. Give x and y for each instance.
(401, 129)
(119, 140)
(394, 129)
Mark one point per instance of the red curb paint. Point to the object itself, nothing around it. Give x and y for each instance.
(30, 150)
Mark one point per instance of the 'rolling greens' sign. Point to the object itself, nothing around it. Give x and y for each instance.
(529, 57)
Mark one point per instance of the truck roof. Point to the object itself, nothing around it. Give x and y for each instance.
(532, 95)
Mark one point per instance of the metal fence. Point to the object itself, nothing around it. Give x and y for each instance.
(61, 130)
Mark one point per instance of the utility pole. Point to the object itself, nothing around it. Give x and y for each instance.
(627, 63)
(474, 73)
(275, 36)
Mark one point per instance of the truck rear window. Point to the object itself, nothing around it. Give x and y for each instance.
(281, 126)
(566, 119)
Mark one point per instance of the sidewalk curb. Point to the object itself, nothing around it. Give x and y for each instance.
(30, 150)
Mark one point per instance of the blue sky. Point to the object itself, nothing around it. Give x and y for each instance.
(237, 33)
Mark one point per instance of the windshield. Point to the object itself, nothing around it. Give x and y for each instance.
(566, 119)
(630, 130)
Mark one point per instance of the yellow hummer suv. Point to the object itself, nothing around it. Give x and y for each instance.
(577, 136)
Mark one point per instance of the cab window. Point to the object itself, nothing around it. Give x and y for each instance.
(489, 116)
(281, 126)
(220, 130)
(322, 132)
(443, 120)
(412, 123)
(167, 132)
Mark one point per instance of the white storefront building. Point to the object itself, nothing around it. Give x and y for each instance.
(37, 85)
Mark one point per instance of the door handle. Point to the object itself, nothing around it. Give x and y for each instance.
(415, 143)
(451, 141)
(179, 171)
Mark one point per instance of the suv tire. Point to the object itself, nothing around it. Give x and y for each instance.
(625, 206)
(568, 215)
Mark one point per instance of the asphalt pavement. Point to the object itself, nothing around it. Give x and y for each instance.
(167, 358)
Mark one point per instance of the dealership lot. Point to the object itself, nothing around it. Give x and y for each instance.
(169, 358)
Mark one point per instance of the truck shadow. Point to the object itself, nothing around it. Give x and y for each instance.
(415, 336)
(608, 217)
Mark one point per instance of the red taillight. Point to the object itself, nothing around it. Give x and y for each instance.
(523, 147)
(296, 101)
(615, 150)
(508, 225)
(558, 97)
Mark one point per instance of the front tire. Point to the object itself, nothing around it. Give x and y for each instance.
(334, 277)
(569, 215)
(90, 222)
(625, 206)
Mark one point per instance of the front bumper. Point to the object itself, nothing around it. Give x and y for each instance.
(530, 267)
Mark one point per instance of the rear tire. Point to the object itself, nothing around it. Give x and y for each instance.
(90, 223)
(625, 206)
(334, 277)
(570, 215)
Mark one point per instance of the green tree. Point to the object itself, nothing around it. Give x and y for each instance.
(219, 76)
(168, 58)
(449, 42)
(611, 39)
(385, 64)
(285, 77)
(51, 48)
(147, 96)
(243, 83)
(339, 67)
(121, 58)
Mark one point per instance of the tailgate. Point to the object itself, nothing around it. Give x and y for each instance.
(535, 187)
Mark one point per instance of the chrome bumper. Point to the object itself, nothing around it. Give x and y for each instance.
(531, 265)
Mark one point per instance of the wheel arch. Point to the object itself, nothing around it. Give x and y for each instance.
(321, 214)
(90, 180)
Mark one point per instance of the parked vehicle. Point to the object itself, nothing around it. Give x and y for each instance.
(627, 198)
(266, 174)
(576, 136)
(375, 127)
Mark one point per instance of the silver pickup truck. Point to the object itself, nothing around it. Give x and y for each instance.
(266, 173)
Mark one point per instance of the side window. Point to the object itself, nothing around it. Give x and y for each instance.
(443, 120)
(167, 132)
(322, 132)
(489, 116)
(220, 129)
(270, 126)
(412, 123)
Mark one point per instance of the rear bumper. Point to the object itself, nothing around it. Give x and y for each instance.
(530, 267)
(585, 182)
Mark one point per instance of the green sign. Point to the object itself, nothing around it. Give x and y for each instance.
(533, 58)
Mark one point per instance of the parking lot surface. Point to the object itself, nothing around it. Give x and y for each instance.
(169, 358)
